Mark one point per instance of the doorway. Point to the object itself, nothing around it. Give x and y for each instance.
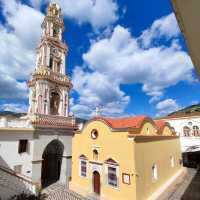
(96, 183)
(51, 163)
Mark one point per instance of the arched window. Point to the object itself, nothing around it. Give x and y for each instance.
(95, 154)
(186, 131)
(54, 103)
(58, 66)
(195, 131)
(51, 62)
(172, 161)
(154, 172)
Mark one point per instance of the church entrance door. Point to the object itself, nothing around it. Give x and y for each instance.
(51, 164)
(96, 182)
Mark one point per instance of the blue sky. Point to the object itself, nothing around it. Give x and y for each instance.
(128, 57)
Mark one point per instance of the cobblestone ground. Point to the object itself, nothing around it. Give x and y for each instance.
(11, 185)
(57, 191)
(193, 190)
(176, 190)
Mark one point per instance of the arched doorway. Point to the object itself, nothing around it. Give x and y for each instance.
(96, 183)
(51, 164)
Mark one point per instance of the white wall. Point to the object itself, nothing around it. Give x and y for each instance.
(179, 123)
(9, 156)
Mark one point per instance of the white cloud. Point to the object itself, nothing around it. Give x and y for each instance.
(99, 13)
(167, 106)
(96, 89)
(19, 37)
(120, 59)
(19, 108)
(166, 26)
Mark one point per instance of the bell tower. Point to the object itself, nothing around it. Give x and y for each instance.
(49, 85)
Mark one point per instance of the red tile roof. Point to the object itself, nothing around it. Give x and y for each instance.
(128, 122)
(160, 124)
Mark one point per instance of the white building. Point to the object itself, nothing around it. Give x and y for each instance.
(187, 126)
(38, 145)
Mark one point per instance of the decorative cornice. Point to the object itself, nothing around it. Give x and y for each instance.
(44, 73)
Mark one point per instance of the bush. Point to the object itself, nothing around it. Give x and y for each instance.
(24, 196)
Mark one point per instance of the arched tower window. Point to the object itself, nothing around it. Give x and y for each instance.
(55, 31)
(195, 130)
(58, 66)
(186, 131)
(54, 103)
(51, 62)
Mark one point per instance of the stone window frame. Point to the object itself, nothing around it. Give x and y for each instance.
(110, 163)
(83, 159)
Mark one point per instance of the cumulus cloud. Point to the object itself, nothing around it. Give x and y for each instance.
(166, 27)
(167, 106)
(97, 90)
(19, 36)
(98, 13)
(122, 59)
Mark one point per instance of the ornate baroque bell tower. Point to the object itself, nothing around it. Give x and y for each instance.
(49, 86)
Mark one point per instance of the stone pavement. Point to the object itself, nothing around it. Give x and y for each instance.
(58, 191)
(177, 189)
(11, 184)
(193, 191)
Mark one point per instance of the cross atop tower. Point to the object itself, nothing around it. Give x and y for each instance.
(49, 85)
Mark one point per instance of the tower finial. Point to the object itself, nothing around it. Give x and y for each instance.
(54, 10)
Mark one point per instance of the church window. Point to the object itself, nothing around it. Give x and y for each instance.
(154, 172)
(95, 154)
(112, 171)
(23, 146)
(94, 134)
(186, 131)
(83, 166)
(112, 176)
(195, 131)
(172, 161)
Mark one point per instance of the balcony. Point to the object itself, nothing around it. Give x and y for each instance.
(44, 73)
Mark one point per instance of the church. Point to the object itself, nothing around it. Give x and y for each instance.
(38, 145)
(125, 158)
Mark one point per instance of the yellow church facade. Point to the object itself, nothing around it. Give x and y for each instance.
(124, 159)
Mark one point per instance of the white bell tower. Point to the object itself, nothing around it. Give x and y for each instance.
(49, 85)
